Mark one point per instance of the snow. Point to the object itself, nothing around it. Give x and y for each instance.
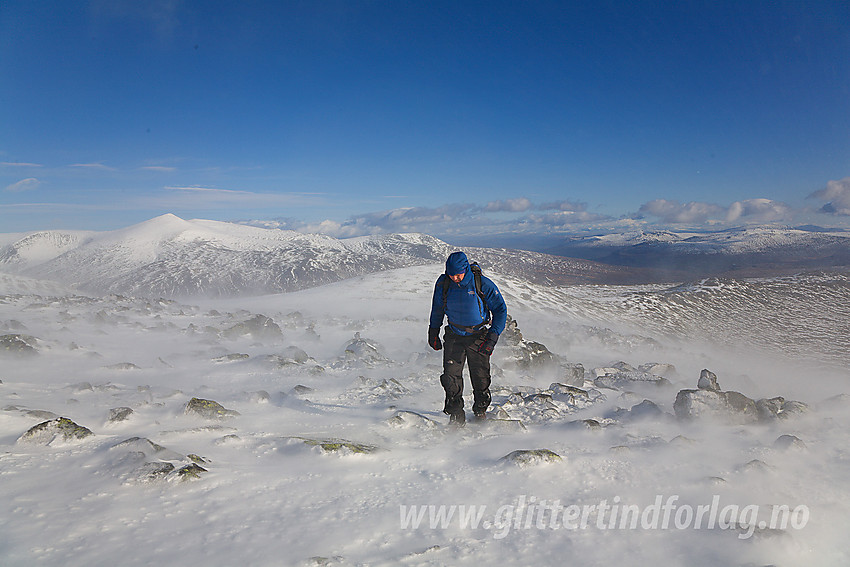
(269, 498)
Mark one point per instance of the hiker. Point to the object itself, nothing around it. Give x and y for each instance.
(476, 316)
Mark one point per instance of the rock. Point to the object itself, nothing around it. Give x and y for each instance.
(18, 345)
(122, 366)
(362, 351)
(573, 374)
(659, 369)
(230, 439)
(150, 472)
(789, 442)
(119, 414)
(589, 424)
(511, 336)
(708, 381)
(768, 408)
(49, 431)
(292, 355)
(569, 394)
(209, 409)
(377, 390)
(411, 419)
(531, 354)
(647, 409)
(542, 400)
(258, 327)
(732, 407)
(792, 409)
(756, 466)
(339, 446)
(233, 357)
(259, 397)
(301, 390)
(148, 448)
(616, 379)
(190, 472)
(527, 457)
(779, 408)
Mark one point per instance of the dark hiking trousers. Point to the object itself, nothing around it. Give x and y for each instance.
(458, 349)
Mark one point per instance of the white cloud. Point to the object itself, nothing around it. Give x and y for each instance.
(696, 212)
(19, 164)
(99, 166)
(161, 168)
(563, 206)
(27, 184)
(511, 205)
(758, 210)
(209, 190)
(837, 195)
(458, 220)
(676, 212)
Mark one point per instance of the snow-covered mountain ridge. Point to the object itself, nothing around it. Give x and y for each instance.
(171, 257)
(743, 251)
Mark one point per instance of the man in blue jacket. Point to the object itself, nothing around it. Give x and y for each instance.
(476, 315)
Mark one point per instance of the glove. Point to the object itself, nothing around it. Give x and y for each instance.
(489, 342)
(434, 338)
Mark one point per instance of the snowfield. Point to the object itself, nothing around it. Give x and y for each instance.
(305, 428)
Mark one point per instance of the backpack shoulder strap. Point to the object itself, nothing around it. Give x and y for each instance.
(476, 273)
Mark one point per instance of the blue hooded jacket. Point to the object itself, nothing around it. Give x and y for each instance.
(463, 306)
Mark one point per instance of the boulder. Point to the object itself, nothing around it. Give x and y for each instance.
(616, 379)
(659, 369)
(779, 408)
(209, 409)
(409, 419)
(233, 357)
(119, 414)
(18, 345)
(150, 472)
(732, 407)
(708, 381)
(511, 336)
(789, 443)
(573, 374)
(190, 472)
(61, 429)
(258, 327)
(362, 352)
(527, 457)
(339, 446)
(531, 354)
(148, 448)
(647, 409)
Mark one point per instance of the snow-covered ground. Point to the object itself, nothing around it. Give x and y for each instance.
(329, 447)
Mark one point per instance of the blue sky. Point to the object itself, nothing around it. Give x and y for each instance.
(453, 118)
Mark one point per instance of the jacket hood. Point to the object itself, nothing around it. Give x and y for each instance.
(457, 264)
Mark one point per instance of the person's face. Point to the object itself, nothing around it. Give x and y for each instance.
(457, 277)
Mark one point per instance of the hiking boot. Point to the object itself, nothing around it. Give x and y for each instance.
(457, 418)
(480, 416)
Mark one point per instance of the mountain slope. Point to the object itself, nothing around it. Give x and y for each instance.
(171, 257)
